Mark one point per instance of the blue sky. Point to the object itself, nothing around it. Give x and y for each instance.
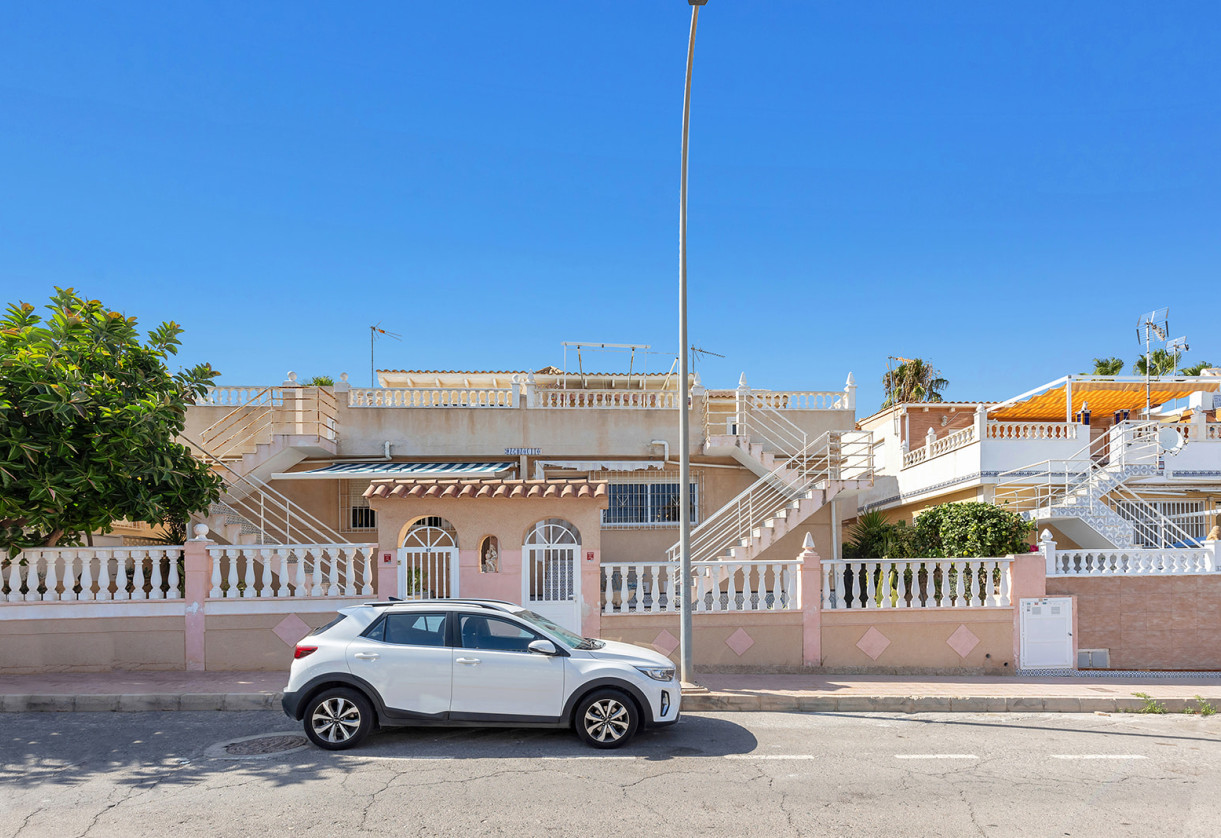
(1000, 189)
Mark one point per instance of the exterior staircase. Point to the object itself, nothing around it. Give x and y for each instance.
(797, 476)
(1089, 496)
(271, 431)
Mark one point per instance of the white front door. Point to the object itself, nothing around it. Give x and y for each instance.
(552, 583)
(1047, 633)
(428, 565)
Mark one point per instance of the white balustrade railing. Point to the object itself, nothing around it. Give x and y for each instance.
(269, 571)
(653, 587)
(1031, 430)
(916, 583)
(232, 396)
(952, 442)
(1132, 562)
(800, 400)
(431, 397)
(948, 443)
(92, 574)
(614, 399)
(1212, 431)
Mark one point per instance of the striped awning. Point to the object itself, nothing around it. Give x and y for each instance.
(344, 471)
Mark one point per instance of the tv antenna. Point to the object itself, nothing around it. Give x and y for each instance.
(1151, 329)
(374, 331)
(695, 350)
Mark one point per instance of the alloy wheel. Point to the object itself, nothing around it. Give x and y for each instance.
(607, 720)
(336, 720)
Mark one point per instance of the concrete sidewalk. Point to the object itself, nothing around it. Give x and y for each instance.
(134, 691)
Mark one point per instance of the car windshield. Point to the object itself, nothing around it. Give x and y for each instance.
(568, 638)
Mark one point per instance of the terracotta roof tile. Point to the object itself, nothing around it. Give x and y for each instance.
(486, 488)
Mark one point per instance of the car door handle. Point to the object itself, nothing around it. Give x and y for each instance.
(468, 660)
(366, 656)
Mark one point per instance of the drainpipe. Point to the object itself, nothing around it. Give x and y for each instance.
(665, 457)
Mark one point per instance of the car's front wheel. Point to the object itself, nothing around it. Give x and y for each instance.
(606, 719)
(338, 718)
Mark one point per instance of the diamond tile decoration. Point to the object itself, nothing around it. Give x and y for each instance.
(291, 629)
(962, 641)
(739, 641)
(665, 642)
(873, 643)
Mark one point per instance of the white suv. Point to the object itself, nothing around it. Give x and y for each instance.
(472, 662)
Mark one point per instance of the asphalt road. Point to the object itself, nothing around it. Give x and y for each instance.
(765, 774)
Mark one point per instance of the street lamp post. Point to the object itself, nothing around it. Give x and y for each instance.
(687, 669)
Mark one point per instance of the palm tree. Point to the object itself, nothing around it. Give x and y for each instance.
(1160, 362)
(1108, 366)
(913, 381)
(1195, 369)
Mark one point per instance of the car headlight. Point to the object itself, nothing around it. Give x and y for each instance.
(658, 673)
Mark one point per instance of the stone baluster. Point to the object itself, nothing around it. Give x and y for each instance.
(349, 588)
(264, 587)
(608, 573)
(215, 555)
(120, 577)
(841, 594)
(233, 557)
(137, 574)
(369, 552)
(51, 583)
(299, 582)
(31, 573)
(86, 559)
(173, 580)
(157, 580)
(826, 581)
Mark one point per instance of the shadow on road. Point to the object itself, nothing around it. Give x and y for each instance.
(145, 750)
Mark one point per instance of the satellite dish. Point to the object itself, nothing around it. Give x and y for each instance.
(1170, 439)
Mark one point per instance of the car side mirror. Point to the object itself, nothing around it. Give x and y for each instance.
(543, 647)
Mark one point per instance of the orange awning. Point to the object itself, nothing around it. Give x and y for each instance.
(1104, 398)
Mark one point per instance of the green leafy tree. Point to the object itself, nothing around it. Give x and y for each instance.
(320, 381)
(913, 381)
(1195, 369)
(1108, 366)
(1159, 362)
(89, 417)
(971, 530)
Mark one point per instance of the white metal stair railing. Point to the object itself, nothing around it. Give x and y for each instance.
(228, 435)
(1091, 485)
(791, 488)
(288, 410)
(275, 518)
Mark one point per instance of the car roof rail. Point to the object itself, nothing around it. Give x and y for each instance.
(480, 603)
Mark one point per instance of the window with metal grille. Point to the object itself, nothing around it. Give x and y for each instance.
(354, 513)
(1179, 523)
(647, 504)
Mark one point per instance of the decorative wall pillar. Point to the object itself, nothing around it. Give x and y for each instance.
(741, 405)
(929, 439)
(811, 603)
(981, 421)
(197, 571)
(1047, 546)
(850, 393)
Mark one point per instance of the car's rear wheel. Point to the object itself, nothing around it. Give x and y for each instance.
(606, 719)
(338, 718)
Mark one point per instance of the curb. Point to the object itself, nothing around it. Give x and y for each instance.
(692, 703)
(139, 703)
(767, 702)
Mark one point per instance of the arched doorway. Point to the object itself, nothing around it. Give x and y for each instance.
(551, 578)
(428, 560)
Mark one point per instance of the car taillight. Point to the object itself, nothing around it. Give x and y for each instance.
(303, 651)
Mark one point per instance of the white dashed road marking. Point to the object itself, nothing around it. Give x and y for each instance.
(936, 756)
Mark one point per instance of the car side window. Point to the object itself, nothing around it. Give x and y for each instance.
(409, 630)
(494, 634)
